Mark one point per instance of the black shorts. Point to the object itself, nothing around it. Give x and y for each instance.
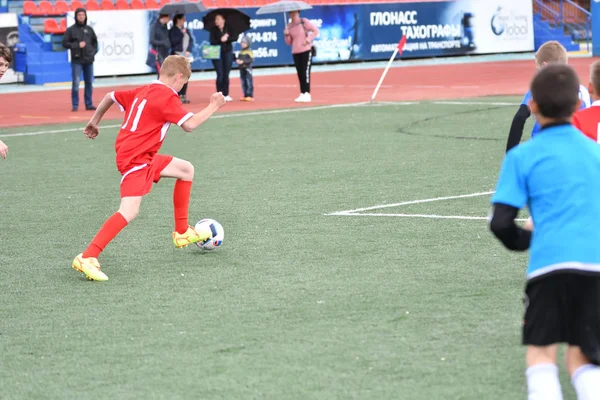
(564, 308)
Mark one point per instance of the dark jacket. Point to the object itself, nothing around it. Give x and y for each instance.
(81, 33)
(215, 38)
(247, 58)
(176, 38)
(159, 39)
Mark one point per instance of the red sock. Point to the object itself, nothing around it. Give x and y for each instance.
(108, 232)
(181, 203)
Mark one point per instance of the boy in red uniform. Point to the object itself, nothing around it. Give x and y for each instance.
(149, 112)
(588, 120)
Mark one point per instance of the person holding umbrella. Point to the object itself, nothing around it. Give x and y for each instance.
(182, 44)
(225, 26)
(220, 36)
(299, 34)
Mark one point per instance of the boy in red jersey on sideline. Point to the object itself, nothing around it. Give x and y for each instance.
(588, 120)
(149, 112)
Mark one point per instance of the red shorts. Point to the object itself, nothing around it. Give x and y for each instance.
(138, 180)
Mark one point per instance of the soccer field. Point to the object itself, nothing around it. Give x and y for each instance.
(318, 292)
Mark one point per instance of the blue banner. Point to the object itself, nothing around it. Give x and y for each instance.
(595, 28)
(365, 32)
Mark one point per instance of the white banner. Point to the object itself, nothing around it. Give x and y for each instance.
(123, 41)
(9, 36)
(497, 26)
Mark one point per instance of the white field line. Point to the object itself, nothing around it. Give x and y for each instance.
(406, 203)
(429, 216)
(219, 116)
(267, 112)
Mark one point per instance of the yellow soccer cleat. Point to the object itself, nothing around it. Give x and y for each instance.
(190, 236)
(90, 267)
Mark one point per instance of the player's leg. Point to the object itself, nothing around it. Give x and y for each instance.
(543, 329)
(542, 373)
(583, 354)
(183, 171)
(87, 262)
(585, 376)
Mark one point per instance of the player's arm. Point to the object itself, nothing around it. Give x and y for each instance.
(506, 230)
(517, 126)
(217, 100)
(511, 195)
(91, 129)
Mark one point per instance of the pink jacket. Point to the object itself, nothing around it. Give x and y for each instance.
(299, 34)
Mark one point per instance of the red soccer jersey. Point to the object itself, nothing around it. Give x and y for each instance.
(149, 112)
(587, 120)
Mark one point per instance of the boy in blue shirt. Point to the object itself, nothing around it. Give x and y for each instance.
(549, 53)
(557, 176)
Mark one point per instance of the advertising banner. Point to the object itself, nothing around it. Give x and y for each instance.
(9, 36)
(358, 32)
(123, 41)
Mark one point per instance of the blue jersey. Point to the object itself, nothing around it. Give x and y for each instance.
(557, 176)
(584, 95)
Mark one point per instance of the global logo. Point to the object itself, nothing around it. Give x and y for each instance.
(509, 24)
(498, 27)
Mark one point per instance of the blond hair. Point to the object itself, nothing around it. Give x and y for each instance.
(551, 52)
(174, 65)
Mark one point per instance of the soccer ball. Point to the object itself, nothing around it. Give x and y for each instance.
(217, 233)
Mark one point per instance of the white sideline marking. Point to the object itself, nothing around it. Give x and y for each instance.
(218, 116)
(360, 212)
(281, 111)
(430, 216)
(406, 203)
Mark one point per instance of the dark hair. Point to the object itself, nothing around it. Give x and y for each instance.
(555, 90)
(177, 17)
(5, 53)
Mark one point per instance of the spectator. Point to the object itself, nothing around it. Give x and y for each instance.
(219, 36)
(182, 44)
(159, 39)
(245, 60)
(299, 34)
(83, 43)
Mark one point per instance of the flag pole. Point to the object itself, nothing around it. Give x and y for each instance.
(397, 50)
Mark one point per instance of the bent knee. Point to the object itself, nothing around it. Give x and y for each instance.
(187, 171)
(129, 214)
(129, 211)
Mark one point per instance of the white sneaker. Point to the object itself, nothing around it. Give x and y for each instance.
(228, 98)
(303, 98)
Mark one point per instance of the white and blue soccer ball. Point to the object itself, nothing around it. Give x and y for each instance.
(217, 233)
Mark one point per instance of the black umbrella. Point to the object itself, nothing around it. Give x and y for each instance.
(186, 7)
(235, 20)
